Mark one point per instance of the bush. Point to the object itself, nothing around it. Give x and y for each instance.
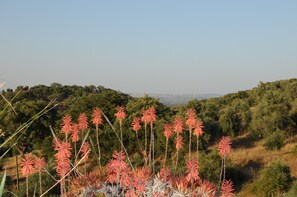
(274, 180)
(274, 141)
(293, 190)
(209, 166)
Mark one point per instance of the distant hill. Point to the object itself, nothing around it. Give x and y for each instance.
(176, 99)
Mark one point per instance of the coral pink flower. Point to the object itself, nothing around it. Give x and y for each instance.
(136, 124)
(120, 114)
(119, 157)
(192, 170)
(118, 162)
(39, 164)
(27, 166)
(131, 193)
(208, 187)
(191, 118)
(141, 176)
(74, 133)
(225, 146)
(63, 150)
(62, 167)
(144, 173)
(179, 143)
(62, 160)
(144, 117)
(164, 174)
(83, 122)
(151, 112)
(198, 128)
(117, 168)
(178, 124)
(158, 194)
(168, 130)
(149, 115)
(67, 124)
(97, 117)
(227, 189)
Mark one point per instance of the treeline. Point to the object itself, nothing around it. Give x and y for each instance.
(267, 109)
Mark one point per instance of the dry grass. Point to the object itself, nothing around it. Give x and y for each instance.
(256, 155)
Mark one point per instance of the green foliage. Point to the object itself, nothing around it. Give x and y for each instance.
(274, 180)
(209, 166)
(293, 190)
(235, 117)
(275, 141)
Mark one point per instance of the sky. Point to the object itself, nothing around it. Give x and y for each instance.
(167, 46)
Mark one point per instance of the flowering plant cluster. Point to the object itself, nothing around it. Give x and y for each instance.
(119, 177)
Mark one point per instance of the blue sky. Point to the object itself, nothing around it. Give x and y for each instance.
(148, 46)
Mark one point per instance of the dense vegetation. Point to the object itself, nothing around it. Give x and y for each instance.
(268, 111)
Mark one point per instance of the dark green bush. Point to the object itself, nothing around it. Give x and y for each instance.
(209, 166)
(274, 141)
(293, 190)
(274, 180)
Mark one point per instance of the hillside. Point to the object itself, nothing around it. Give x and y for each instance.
(262, 123)
(176, 99)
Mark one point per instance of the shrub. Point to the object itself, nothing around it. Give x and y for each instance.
(274, 141)
(274, 180)
(209, 166)
(293, 190)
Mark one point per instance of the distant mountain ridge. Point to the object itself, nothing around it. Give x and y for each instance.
(176, 99)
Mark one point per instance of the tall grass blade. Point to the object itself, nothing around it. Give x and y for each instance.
(2, 183)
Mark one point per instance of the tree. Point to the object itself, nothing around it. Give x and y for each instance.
(274, 180)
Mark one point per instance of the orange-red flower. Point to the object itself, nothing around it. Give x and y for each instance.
(167, 130)
(120, 114)
(136, 124)
(62, 157)
(39, 164)
(144, 173)
(67, 124)
(97, 117)
(164, 174)
(117, 168)
(225, 146)
(144, 117)
(179, 143)
(178, 124)
(191, 118)
(149, 115)
(131, 193)
(141, 176)
(63, 150)
(208, 187)
(192, 170)
(198, 128)
(83, 121)
(74, 133)
(27, 166)
(62, 167)
(227, 189)
(119, 156)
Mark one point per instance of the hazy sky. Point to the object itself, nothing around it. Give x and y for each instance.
(149, 46)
